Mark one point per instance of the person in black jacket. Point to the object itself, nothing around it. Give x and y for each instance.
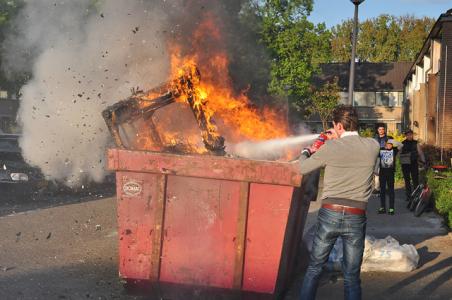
(381, 137)
(410, 155)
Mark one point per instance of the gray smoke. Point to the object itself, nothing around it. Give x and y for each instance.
(85, 55)
(82, 59)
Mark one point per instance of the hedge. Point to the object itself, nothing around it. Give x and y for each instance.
(442, 193)
(433, 155)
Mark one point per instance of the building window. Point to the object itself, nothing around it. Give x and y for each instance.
(3, 94)
(9, 126)
(364, 98)
(389, 99)
(343, 98)
(370, 126)
(400, 95)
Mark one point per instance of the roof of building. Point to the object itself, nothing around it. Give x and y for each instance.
(434, 33)
(371, 77)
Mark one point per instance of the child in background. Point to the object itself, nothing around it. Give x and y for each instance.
(387, 174)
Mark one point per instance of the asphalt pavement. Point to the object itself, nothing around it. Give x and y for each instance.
(432, 279)
(65, 247)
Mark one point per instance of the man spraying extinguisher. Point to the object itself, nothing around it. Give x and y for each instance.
(349, 161)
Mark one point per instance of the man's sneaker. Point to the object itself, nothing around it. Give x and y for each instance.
(381, 210)
(391, 211)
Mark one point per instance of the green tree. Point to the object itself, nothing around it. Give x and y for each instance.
(385, 38)
(414, 32)
(296, 47)
(8, 10)
(341, 41)
(324, 100)
(249, 57)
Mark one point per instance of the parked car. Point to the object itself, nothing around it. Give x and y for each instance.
(15, 173)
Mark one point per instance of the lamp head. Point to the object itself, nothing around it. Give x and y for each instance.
(357, 2)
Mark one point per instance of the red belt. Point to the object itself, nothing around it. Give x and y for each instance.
(344, 209)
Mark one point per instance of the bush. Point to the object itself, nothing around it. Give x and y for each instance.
(433, 155)
(398, 177)
(442, 193)
(396, 135)
(367, 133)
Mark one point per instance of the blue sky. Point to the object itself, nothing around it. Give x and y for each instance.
(332, 12)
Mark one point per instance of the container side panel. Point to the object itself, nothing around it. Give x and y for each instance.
(241, 234)
(139, 202)
(267, 218)
(200, 232)
(206, 166)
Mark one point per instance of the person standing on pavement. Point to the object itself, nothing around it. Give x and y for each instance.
(381, 138)
(387, 175)
(410, 155)
(349, 161)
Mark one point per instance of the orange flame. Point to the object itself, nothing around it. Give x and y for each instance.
(210, 92)
(215, 94)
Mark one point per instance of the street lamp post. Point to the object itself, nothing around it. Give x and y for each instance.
(351, 85)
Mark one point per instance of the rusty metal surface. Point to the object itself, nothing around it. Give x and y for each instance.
(140, 197)
(299, 208)
(157, 235)
(204, 220)
(205, 166)
(124, 113)
(268, 210)
(200, 231)
(241, 235)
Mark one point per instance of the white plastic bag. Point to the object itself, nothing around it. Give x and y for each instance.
(380, 255)
(388, 255)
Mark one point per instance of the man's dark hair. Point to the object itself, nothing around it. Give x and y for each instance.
(380, 125)
(347, 116)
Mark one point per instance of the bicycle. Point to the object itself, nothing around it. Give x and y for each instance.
(424, 200)
(420, 197)
(416, 194)
(414, 198)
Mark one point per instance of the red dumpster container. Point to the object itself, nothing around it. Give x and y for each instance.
(207, 220)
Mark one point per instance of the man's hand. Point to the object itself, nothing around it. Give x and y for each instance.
(319, 142)
(331, 134)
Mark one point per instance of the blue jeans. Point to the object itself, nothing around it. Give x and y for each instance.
(331, 225)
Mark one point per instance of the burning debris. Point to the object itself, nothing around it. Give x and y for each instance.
(79, 68)
(199, 85)
(141, 106)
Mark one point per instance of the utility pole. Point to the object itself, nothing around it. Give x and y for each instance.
(351, 84)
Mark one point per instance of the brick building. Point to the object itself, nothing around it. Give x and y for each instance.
(428, 87)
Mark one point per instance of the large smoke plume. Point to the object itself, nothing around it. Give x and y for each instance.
(83, 57)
